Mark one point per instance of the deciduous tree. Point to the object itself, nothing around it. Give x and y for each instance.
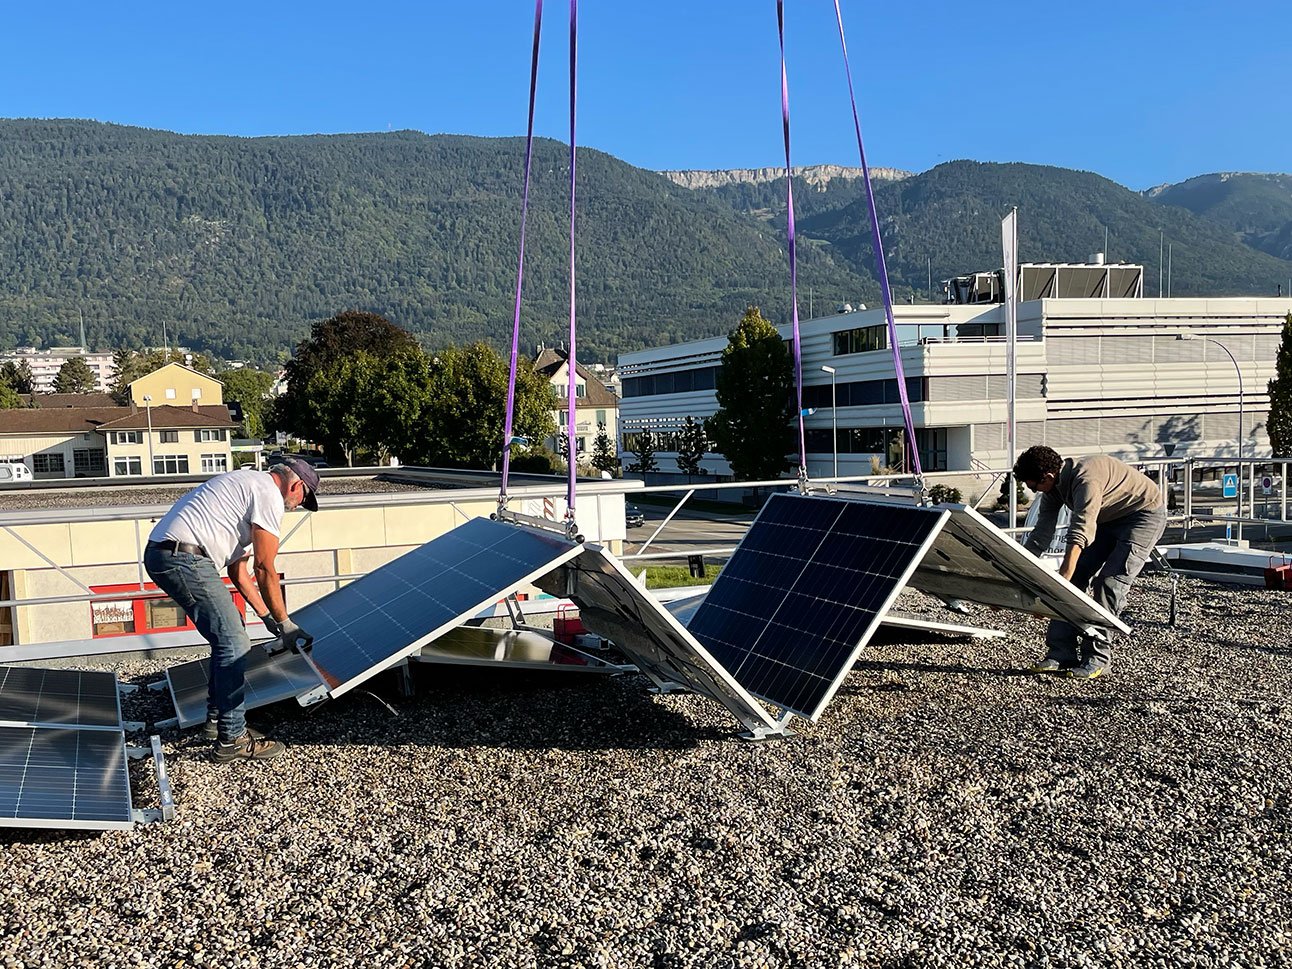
(250, 388)
(752, 426)
(645, 449)
(604, 457)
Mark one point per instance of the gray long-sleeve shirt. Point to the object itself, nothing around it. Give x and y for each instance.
(1098, 489)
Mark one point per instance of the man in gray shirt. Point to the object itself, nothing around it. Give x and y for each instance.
(1118, 517)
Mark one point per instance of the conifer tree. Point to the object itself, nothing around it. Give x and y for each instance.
(1279, 423)
(691, 448)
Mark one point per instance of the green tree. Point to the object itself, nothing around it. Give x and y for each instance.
(466, 409)
(250, 388)
(17, 377)
(311, 408)
(604, 457)
(645, 449)
(9, 398)
(74, 377)
(691, 448)
(752, 425)
(1279, 422)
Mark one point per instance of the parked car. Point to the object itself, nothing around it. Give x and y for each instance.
(633, 516)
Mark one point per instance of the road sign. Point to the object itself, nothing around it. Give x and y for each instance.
(1229, 486)
(1267, 484)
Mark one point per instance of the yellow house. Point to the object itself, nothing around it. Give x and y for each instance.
(177, 386)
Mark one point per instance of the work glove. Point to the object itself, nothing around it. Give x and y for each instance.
(290, 636)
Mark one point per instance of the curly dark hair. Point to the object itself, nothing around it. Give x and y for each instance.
(1036, 462)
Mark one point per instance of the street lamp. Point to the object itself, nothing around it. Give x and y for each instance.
(1238, 370)
(834, 421)
(148, 408)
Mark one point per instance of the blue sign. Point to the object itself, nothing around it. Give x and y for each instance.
(1229, 486)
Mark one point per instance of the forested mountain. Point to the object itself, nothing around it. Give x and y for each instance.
(1256, 207)
(239, 243)
(951, 215)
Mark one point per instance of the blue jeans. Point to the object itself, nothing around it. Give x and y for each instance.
(1106, 570)
(195, 584)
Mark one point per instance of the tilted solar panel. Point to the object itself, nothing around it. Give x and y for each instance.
(33, 695)
(372, 623)
(614, 605)
(268, 680)
(805, 589)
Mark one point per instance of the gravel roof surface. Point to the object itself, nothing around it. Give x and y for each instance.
(945, 811)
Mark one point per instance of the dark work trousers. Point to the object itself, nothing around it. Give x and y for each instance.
(1105, 571)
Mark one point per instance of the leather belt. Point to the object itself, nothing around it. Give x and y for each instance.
(170, 545)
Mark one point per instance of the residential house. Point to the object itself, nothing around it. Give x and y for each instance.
(595, 405)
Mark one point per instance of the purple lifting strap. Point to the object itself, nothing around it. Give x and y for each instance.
(794, 275)
(520, 266)
(880, 263)
(572, 402)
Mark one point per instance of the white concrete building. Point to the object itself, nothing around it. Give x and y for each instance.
(45, 365)
(1094, 375)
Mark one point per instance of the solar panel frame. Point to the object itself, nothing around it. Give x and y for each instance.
(613, 604)
(812, 690)
(41, 696)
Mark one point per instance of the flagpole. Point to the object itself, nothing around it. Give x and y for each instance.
(1009, 245)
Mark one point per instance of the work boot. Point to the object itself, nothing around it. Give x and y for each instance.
(1089, 670)
(211, 730)
(246, 747)
(1048, 664)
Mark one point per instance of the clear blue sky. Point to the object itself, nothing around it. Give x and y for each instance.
(1140, 92)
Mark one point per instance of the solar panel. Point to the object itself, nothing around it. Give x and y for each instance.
(32, 695)
(614, 605)
(375, 621)
(805, 589)
(972, 559)
(269, 679)
(63, 778)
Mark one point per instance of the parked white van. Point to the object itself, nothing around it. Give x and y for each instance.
(9, 473)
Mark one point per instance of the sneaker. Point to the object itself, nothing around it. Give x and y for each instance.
(211, 730)
(1089, 670)
(1048, 664)
(247, 747)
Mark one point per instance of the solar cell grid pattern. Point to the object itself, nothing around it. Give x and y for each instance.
(808, 583)
(78, 698)
(51, 776)
(365, 624)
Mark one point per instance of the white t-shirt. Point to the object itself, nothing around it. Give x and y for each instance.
(218, 514)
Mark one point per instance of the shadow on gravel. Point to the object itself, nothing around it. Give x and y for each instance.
(463, 707)
(957, 669)
(45, 836)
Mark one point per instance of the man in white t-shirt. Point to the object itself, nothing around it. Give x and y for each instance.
(220, 525)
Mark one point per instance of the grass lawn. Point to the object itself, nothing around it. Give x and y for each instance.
(672, 576)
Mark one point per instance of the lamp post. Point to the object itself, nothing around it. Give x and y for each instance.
(1237, 370)
(148, 408)
(834, 421)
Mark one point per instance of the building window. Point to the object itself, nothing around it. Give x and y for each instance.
(126, 437)
(169, 437)
(197, 393)
(129, 465)
(580, 390)
(89, 463)
(170, 464)
(860, 339)
(131, 614)
(215, 462)
(208, 434)
(601, 418)
(170, 393)
(47, 463)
